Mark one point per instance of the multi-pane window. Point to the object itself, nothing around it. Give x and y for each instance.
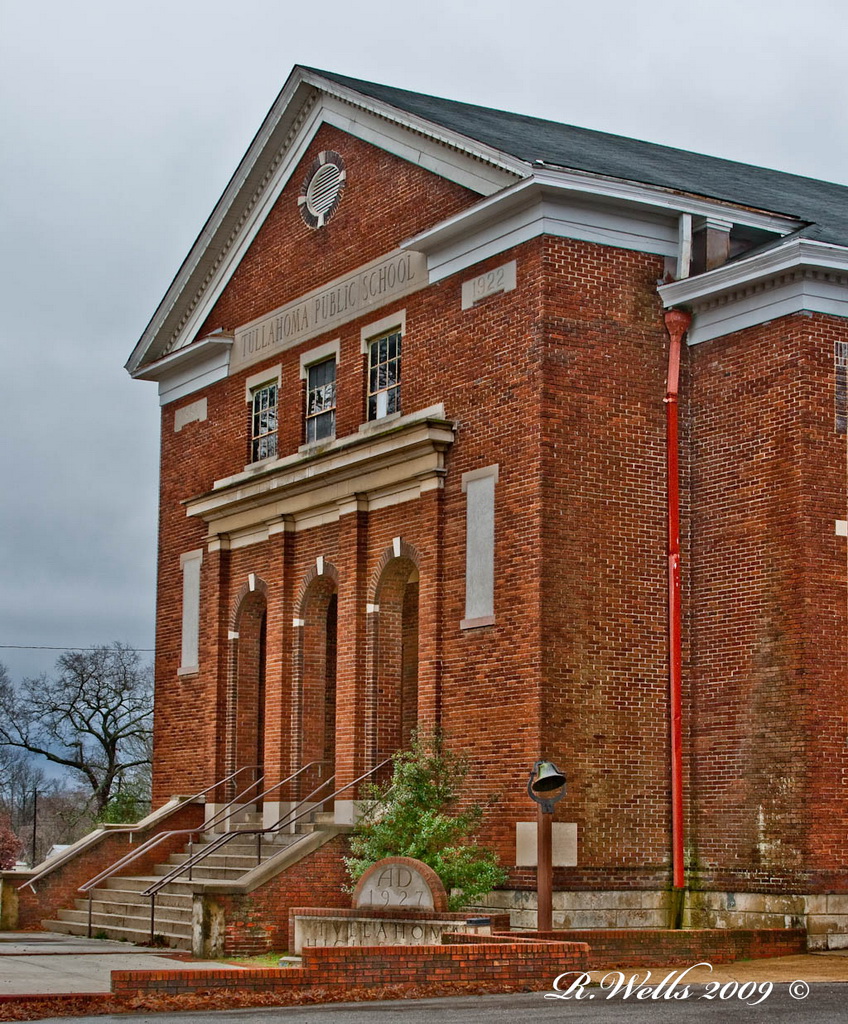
(840, 357)
(384, 376)
(263, 443)
(321, 400)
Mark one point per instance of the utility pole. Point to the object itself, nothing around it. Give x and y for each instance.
(34, 824)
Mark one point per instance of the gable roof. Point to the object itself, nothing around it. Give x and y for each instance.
(824, 205)
(504, 147)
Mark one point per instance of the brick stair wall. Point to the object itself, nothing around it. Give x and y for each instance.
(120, 911)
(59, 889)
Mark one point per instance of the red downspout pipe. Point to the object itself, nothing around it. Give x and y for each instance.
(676, 322)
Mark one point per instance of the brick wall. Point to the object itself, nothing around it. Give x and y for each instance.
(560, 382)
(653, 947)
(603, 593)
(766, 613)
(531, 965)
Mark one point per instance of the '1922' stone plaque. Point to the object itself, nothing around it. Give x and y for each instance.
(400, 882)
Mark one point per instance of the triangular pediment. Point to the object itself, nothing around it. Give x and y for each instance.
(307, 103)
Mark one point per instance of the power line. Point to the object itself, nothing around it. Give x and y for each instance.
(30, 647)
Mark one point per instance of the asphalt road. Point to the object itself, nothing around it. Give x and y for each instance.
(825, 1004)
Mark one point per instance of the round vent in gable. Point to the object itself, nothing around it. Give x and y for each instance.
(321, 191)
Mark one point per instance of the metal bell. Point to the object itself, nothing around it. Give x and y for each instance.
(548, 778)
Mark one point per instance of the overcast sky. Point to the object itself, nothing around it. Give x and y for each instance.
(121, 123)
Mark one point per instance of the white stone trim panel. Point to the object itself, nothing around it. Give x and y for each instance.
(194, 412)
(190, 563)
(479, 489)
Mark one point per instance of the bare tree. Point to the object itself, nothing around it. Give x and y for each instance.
(94, 717)
(20, 777)
(41, 811)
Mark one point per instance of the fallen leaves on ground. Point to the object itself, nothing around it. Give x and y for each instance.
(72, 1006)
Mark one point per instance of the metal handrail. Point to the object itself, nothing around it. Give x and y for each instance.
(160, 837)
(287, 819)
(89, 886)
(261, 796)
(212, 847)
(277, 785)
(134, 827)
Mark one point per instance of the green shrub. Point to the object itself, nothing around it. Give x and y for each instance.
(125, 807)
(416, 814)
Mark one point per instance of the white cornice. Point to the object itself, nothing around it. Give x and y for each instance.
(799, 274)
(190, 369)
(580, 205)
(210, 347)
(428, 129)
(606, 188)
(789, 255)
(382, 464)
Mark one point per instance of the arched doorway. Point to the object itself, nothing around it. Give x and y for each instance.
(317, 739)
(393, 698)
(246, 704)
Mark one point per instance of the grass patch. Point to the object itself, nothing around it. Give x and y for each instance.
(262, 960)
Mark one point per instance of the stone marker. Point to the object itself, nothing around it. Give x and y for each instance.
(400, 882)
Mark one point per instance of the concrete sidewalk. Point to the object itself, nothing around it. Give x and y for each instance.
(45, 963)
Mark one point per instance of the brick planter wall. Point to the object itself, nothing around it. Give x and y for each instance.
(247, 924)
(522, 965)
(654, 947)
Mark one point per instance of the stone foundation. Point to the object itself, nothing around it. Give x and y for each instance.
(824, 916)
(634, 908)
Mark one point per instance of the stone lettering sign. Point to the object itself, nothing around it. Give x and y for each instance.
(335, 303)
(501, 279)
(400, 882)
(329, 931)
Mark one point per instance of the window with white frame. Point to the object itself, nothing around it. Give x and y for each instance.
(263, 404)
(321, 400)
(384, 375)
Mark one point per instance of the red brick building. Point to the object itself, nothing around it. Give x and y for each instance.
(414, 376)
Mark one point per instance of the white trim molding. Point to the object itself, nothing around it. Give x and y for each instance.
(191, 369)
(373, 470)
(571, 204)
(798, 275)
(190, 566)
(329, 350)
(271, 375)
(385, 325)
(478, 486)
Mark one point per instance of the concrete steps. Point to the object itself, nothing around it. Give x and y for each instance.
(119, 910)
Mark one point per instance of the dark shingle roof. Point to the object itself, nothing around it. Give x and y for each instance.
(823, 204)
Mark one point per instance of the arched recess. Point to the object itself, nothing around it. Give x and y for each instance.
(314, 717)
(245, 730)
(392, 692)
